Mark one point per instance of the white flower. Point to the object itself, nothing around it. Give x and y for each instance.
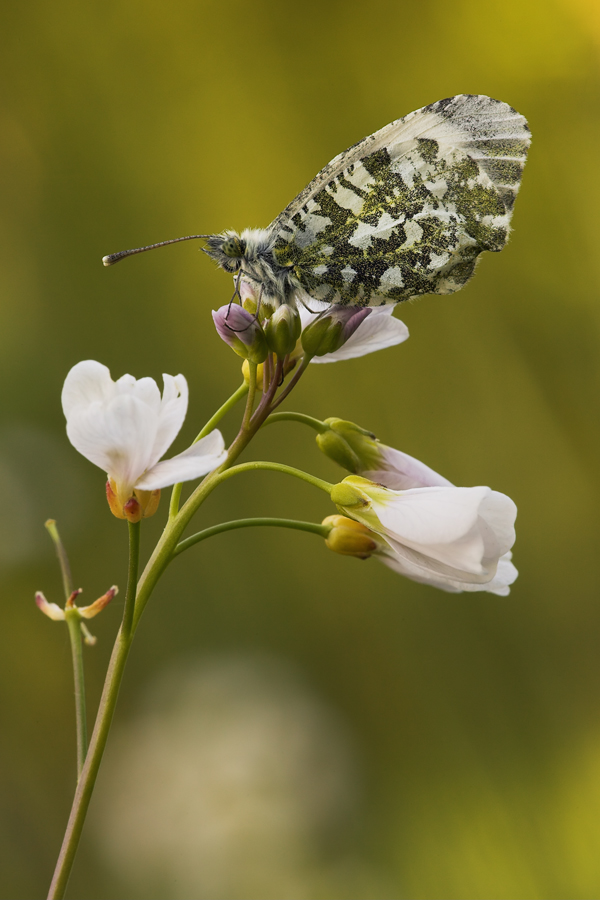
(457, 539)
(125, 426)
(378, 331)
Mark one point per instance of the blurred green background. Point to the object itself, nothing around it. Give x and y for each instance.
(463, 730)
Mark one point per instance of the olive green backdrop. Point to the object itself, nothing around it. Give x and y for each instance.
(473, 721)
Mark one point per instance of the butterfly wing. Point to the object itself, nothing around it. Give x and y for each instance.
(408, 210)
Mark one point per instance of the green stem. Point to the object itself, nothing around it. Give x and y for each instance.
(108, 701)
(73, 620)
(317, 424)
(311, 527)
(74, 624)
(63, 559)
(212, 423)
(223, 410)
(87, 780)
(163, 552)
(132, 576)
(277, 467)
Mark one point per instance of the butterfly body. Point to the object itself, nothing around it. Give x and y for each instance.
(406, 211)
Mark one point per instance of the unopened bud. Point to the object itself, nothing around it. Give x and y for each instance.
(259, 374)
(350, 538)
(350, 446)
(249, 296)
(335, 447)
(242, 331)
(348, 496)
(331, 329)
(283, 330)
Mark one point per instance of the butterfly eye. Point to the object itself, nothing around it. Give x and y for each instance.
(234, 247)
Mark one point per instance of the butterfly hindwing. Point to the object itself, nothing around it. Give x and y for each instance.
(408, 210)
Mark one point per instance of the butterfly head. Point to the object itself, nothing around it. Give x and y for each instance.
(227, 249)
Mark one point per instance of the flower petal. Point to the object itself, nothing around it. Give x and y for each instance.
(52, 610)
(505, 575)
(444, 525)
(87, 382)
(376, 332)
(499, 512)
(400, 472)
(172, 412)
(144, 389)
(117, 436)
(199, 459)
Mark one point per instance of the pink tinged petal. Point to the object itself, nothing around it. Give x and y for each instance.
(234, 323)
(199, 459)
(88, 612)
(52, 610)
(87, 382)
(377, 332)
(444, 525)
(401, 472)
(247, 291)
(171, 414)
(118, 437)
(73, 597)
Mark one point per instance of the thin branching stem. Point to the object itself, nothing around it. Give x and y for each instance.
(255, 522)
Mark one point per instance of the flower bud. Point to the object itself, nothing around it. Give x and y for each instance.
(331, 329)
(242, 332)
(283, 330)
(350, 538)
(259, 374)
(355, 496)
(335, 447)
(249, 296)
(350, 446)
(345, 494)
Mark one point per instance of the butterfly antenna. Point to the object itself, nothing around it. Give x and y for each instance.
(117, 257)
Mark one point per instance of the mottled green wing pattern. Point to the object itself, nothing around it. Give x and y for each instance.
(408, 210)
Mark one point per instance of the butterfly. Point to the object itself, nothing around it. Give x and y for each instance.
(404, 212)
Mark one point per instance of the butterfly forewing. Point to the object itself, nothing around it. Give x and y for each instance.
(408, 210)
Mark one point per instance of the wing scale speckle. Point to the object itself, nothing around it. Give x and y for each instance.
(407, 210)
